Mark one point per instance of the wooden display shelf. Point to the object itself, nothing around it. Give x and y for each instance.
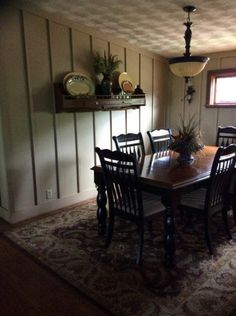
(67, 103)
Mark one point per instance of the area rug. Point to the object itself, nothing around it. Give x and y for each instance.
(68, 243)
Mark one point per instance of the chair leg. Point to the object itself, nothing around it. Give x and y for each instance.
(234, 207)
(109, 230)
(226, 223)
(189, 220)
(207, 233)
(141, 236)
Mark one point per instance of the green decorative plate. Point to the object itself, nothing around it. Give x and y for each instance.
(78, 84)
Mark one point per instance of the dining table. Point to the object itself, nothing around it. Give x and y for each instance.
(168, 177)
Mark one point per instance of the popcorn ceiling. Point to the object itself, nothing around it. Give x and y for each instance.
(156, 25)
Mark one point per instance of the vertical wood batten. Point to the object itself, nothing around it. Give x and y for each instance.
(53, 111)
(94, 134)
(152, 110)
(118, 118)
(161, 93)
(146, 84)
(217, 110)
(156, 94)
(110, 112)
(139, 82)
(7, 198)
(126, 111)
(84, 121)
(75, 116)
(29, 108)
(102, 118)
(200, 98)
(94, 139)
(76, 153)
(132, 64)
(111, 51)
(110, 118)
(61, 57)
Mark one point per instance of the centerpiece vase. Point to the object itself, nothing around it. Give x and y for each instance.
(185, 157)
(106, 85)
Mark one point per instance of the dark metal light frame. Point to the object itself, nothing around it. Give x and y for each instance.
(187, 65)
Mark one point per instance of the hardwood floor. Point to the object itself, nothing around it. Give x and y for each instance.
(28, 289)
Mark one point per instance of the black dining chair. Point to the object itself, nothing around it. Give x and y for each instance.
(130, 143)
(226, 135)
(133, 144)
(160, 140)
(121, 178)
(213, 198)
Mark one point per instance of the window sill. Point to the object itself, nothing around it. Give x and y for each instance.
(222, 105)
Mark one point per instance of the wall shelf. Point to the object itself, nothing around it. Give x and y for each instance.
(67, 103)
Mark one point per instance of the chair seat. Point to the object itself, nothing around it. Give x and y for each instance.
(152, 204)
(195, 199)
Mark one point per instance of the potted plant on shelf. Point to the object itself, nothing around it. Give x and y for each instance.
(187, 141)
(105, 65)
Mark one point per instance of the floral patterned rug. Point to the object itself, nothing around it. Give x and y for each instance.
(68, 243)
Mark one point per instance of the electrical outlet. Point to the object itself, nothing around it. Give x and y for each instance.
(48, 194)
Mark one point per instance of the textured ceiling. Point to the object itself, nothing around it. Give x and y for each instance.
(156, 25)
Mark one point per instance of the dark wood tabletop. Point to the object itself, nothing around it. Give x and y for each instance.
(166, 172)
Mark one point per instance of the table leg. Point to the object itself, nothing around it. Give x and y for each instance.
(169, 234)
(101, 210)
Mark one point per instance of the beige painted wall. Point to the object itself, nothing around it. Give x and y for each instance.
(43, 150)
(209, 118)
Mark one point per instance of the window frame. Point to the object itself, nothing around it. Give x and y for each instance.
(212, 75)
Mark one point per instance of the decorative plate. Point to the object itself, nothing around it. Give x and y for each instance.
(126, 82)
(70, 74)
(77, 84)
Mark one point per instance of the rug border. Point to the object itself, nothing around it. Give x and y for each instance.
(54, 273)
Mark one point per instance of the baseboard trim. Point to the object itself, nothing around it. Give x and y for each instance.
(52, 205)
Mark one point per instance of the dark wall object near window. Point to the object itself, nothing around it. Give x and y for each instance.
(221, 88)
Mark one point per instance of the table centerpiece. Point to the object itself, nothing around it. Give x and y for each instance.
(187, 141)
(106, 65)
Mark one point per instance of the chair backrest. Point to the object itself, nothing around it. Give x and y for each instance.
(221, 172)
(160, 140)
(130, 144)
(226, 136)
(121, 180)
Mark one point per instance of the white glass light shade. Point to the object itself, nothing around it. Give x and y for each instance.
(187, 66)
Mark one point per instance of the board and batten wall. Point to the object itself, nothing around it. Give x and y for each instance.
(209, 118)
(41, 149)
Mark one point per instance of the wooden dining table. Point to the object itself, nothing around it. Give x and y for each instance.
(167, 177)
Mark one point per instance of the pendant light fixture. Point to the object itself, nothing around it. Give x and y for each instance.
(188, 66)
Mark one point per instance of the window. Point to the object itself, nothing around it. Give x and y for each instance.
(221, 88)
